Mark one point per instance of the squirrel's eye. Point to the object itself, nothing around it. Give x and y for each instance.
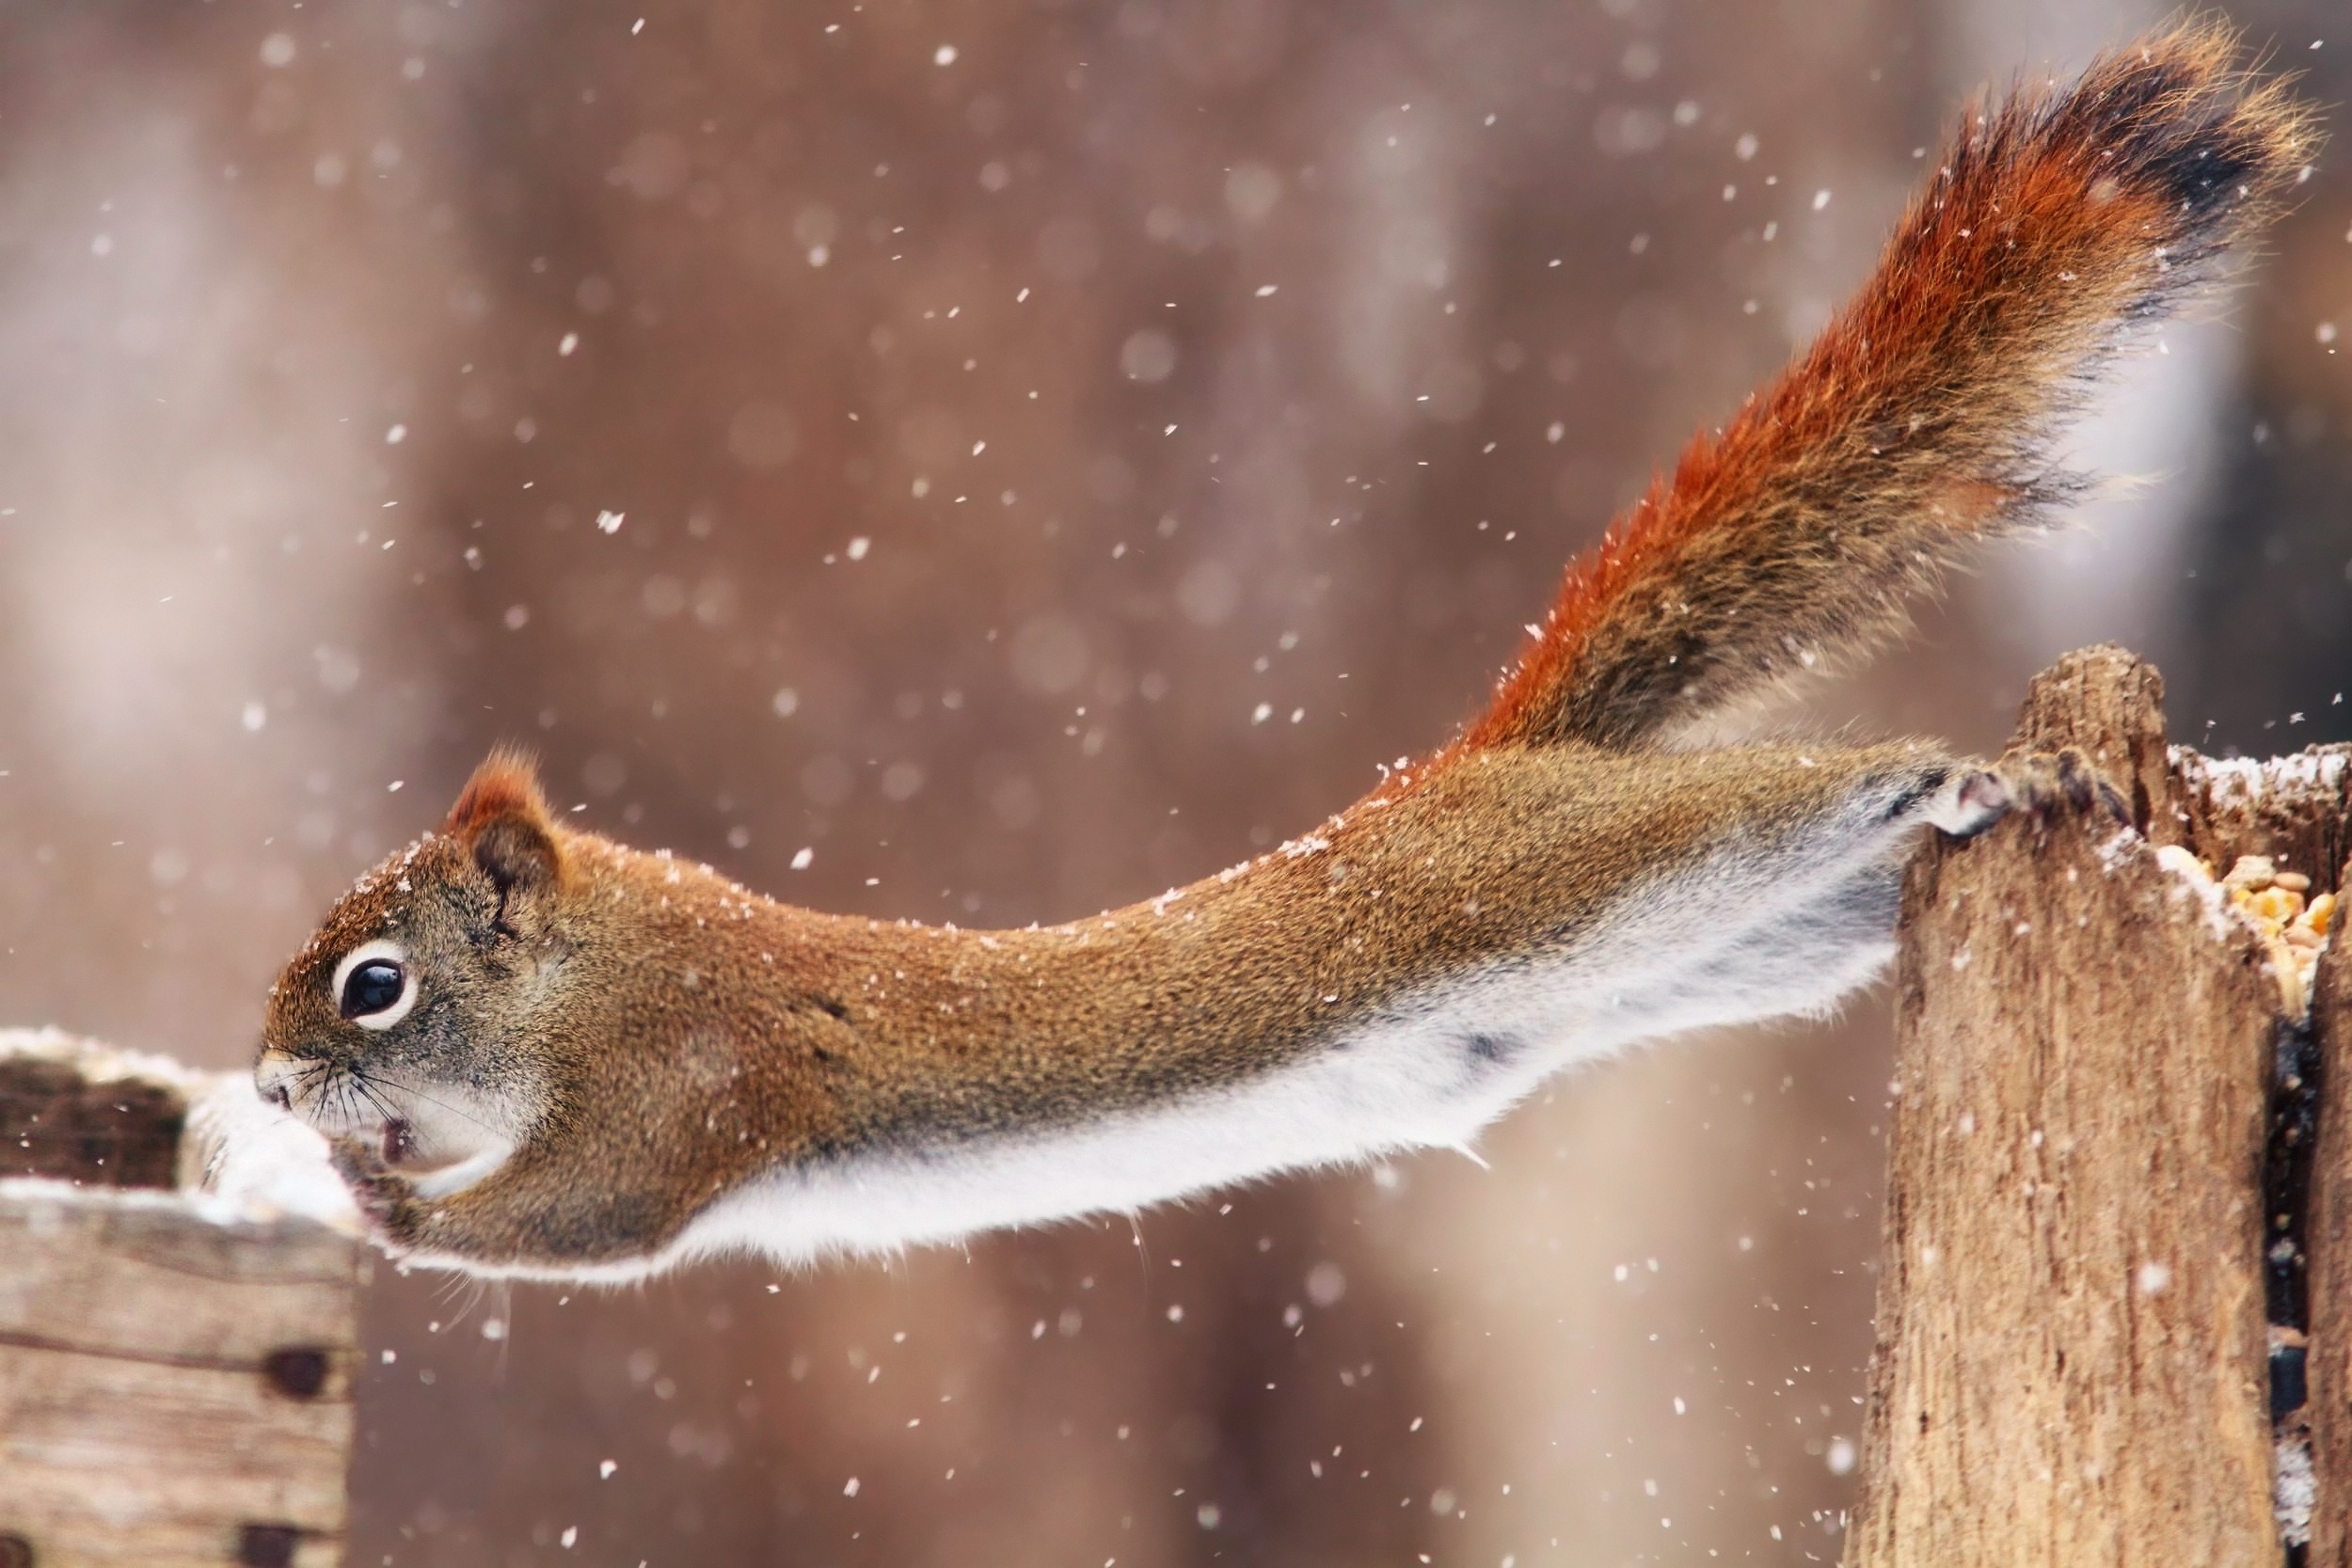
(373, 988)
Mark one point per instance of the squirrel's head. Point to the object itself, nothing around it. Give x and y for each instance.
(392, 1026)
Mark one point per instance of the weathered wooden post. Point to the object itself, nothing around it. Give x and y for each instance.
(176, 1365)
(2092, 1321)
(2329, 1360)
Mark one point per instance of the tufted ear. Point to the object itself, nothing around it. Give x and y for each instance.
(506, 818)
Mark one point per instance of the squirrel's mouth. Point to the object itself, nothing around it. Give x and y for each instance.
(405, 1147)
(400, 1141)
(442, 1137)
(344, 1102)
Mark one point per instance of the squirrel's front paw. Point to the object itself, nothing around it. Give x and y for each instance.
(2040, 783)
(389, 1203)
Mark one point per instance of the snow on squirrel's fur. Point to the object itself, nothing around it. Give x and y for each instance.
(240, 1158)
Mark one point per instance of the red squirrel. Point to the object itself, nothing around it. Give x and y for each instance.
(541, 1054)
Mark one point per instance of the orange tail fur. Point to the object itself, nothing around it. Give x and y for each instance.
(1922, 419)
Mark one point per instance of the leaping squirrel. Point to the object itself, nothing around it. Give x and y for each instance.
(540, 1052)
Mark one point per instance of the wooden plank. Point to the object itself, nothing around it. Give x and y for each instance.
(150, 1274)
(54, 1122)
(2072, 1357)
(132, 1462)
(175, 1376)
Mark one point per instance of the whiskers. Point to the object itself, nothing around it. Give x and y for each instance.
(322, 1095)
(345, 1097)
(372, 1081)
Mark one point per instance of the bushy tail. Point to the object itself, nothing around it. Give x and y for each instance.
(1923, 417)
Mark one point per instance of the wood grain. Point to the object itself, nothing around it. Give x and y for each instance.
(2329, 1409)
(2072, 1361)
(175, 1382)
(53, 1122)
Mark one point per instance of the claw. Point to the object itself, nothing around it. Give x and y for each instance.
(2039, 782)
(2042, 779)
(2045, 783)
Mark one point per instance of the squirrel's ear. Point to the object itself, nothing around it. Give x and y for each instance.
(502, 814)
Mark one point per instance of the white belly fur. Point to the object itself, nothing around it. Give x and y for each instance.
(1748, 937)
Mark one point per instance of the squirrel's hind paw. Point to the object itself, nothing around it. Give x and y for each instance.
(1970, 801)
(2040, 783)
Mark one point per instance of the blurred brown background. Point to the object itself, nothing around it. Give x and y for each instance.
(1055, 448)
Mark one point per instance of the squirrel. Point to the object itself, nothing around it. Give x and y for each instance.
(540, 1053)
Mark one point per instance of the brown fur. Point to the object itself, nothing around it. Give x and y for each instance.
(667, 1035)
(687, 1033)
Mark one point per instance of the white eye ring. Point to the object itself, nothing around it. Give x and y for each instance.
(375, 952)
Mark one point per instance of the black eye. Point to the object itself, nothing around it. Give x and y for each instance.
(371, 987)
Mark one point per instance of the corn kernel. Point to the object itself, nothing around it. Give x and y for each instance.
(2275, 904)
(2251, 872)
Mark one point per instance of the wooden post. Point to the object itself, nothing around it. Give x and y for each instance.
(2331, 1247)
(2098, 1171)
(175, 1376)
